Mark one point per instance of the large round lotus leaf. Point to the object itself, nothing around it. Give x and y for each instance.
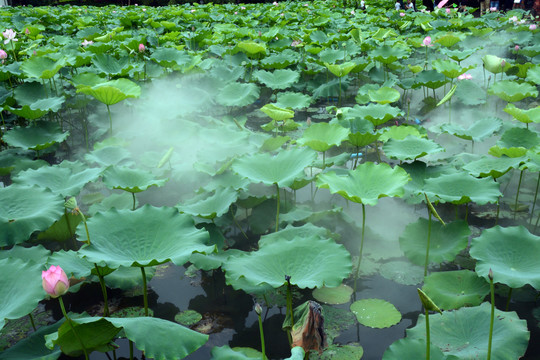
(41, 67)
(455, 289)
(71, 263)
(511, 253)
(112, 92)
(226, 353)
(109, 65)
(470, 93)
(282, 168)
(400, 133)
(280, 60)
(533, 75)
(446, 241)
(448, 68)
(410, 148)
(384, 95)
(58, 179)
(37, 254)
(515, 142)
(494, 64)
(340, 352)
(478, 131)
(33, 346)
(21, 288)
(24, 210)
(402, 272)
(109, 155)
(145, 237)
(367, 183)
(309, 261)
(251, 47)
(277, 80)
(430, 79)
(525, 116)
(408, 348)
(333, 295)
(38, 136)
(341, 70)
(461, 188)
(378, 114)
(293, 100)
(458, 54)
(388, 54)
(210, 205)
(171, 57)
(512, 91)
(375, 313)
(322, 136)
(494, 167)
(464, 333)
(277, 113)
(237, 94)
(131, 180)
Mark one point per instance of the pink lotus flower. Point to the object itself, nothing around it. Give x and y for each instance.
(448, 11)
(442, 3)
(26, 31)
(465, 77)
(275, 3)
(503, 63)
(236, 13)
(516, 47)
(296, 43)
(492, 9)
(532, 27)
(3, 54)
(141, 48)
(242, 8)
(9, 35)
(427, 41)
(352, 12)
(55, 281)
(513, 19)
(85, 43)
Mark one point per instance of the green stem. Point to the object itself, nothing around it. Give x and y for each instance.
(534, 201)
(428, 245)
(492, 288)
(133, 194)
(361, 246)
(289, 305)
(32, 321)
(68, 224)
(110, 120)
(428, 336)
(277, 207)
(72, 327)
(237, 224)
(130, 350)
(508, 299)
(262, 336)
(104, 291)
(145, 291)
(517, 194)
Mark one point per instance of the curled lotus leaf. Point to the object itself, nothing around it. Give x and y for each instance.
(210, 205)
(515, 142)
(277, 113)
(450, 69)
(384, 95)
(41, 67)
(525, 116)
(378, 114)
(113, 91)
(251, 47)
(38, 136)
(492, 166)
(494, 64)
(512, 91)
(130, 180)
(387, 54)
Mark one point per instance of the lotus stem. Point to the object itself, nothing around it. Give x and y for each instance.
(133, 195)
(258, 310)
(508, 299)
(534, 201)
(361, 246)
(323, 159)
(31, 317)
(145, 291)
(492, 290)
(289, 299)
(517, 194)
(428, 245)
(130, 350)
(237, 224)
(428, 336)
(110, 120)
(68, 224)
(104, 291)
(277, 206)
(72, 327)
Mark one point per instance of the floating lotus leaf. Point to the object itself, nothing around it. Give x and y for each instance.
(340, 352)
(512, 91)
(211, 205)
(378, 114)
(279, 79)
(188, 317)
(33, 346)
(41, 67)
(525, 116)
(38, 136)
(237, 94)
(384, 95)
(112, 92)
(309, 261)
(461, 188)
(109, 65)
(455, 289)
(21, 288)
(251, 47)
(408, 348)
(375, 313)
(511, 253)
(430, 79)
(367, 183)
(24, 210)
(410, 148)
(277, 113)
(340, 70)
(515, 142)
(226, 353)
(281, 169)
(323, 136)
(449, 68)
(478, 131)
(493, 64)
(130, 180)
(446, 241)
(470, 93)
(145, 237)
(464, 333)
(389, 54)
(402, 272)
(333, 295)
(293, 100)
(494, 167)
(401, 132)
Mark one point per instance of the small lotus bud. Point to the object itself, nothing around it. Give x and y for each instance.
(141, 48)
(490, 274)
(516, 47)
(258, 309)
(287, 278)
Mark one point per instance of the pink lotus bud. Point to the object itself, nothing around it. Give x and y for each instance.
(503, 63)
(275, 3)
(141, 48)
(465, 77)
(26, 31)
(242, 8)
(402, 14)
(258, 309)
(236, 13)
(427, 41)
(3, 54)
(448, 11)
(352, 12)
(192, 10)
(55, 281)
(490, 274)
(492, 9)
(516, 47)
(532, 27)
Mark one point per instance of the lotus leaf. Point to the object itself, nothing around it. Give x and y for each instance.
(515, 142)
(277, 80)
(113, 91)
(378, 114)
(280, 60)
(126, 278)
(33, 347)
(478, 131)
(277, 113)
(130, 180)
(341, 352)
(470, 93)
(367, 183)
(464, 333)
(333, 295)
(251, 47)
(237, 94)
(525, 116)
(145, 237)
(446, 241)
(170, 57)
(323, 136)
(375, 313)
(384, 95)
(41, 67)
(409, 348)
(533, 74)
(293, 100)
(449, 68)
(340, 70)
(494, 167)
(512, 91)
(455, 289)
(402, 272)
(401, 132)
(110, 65)
(211, 205)
(430, 79)
(494, 64)
(37, 254)
(109, 155)
(410, 148)
(511, 253)
(41, 135)
(387, 54)
(362, 97)
(461, 188)
(226, 353)
(458, 55)
(72, 264)
(309, 261)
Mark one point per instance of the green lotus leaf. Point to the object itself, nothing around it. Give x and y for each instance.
(494, 167)
(340, 70)
(470, 93)
(130, 180)
(512, 91)
(281, 60)
(210, 205)
(375, 313)
(408, 348)
(59, 180)
(290, 233)
(277, 113)
(515, 142)
(322, 136)
(170, 57)
(410, 148)
(109, 65)
(37, 254)
(125, 278)
(293, 100)
(367, 183)
(188, 317)
(449, 39)
(113, 91)
(461, 188)
(21, 288)
(378, 114)
(39, 136)
(449, 68)
(387, 54)
(27, 112)
(458, 54)
(384, 95)
(478, 131)
(309, 261)
(251, 47)
(464, 333)
(525, 116)
(147, 236)
(24, 210)
(446, 241)
(237, 94)
(362, 96)
(278, 79)
(341, 352)
(33, 346)
(400, 133)
(109, 155)
(493, 64)
(455, 289)
(511, 253)
(533, 74)
(429, 78)
(402, 272)
(41, 67)
(281, 169)
(331, 56)
(333, 295)
(72, 264)
(87, 79)
(226, 353)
